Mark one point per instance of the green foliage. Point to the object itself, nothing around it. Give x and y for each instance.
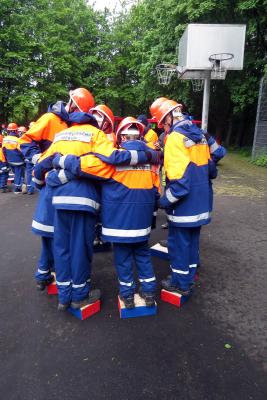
(46, 48)
(261, 161)
(244, 151)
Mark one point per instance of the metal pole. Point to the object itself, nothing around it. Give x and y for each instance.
(205, 106)
(257, 120)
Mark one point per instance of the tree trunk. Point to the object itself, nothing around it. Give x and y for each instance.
(229, 132)
(240, 130)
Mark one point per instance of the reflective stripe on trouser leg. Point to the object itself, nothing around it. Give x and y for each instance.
(46, 260)
(123, 258)
(144, 266)
(81, 244)
(179, 242)
(194, 252)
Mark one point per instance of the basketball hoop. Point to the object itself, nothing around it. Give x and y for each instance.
(197, 84)
(165, 72)
(218, 68)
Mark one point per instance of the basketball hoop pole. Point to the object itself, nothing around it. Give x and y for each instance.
(205, 106)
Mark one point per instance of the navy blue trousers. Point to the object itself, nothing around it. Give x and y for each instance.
(125, 255)
(183, 248)
(18, 171)
(73, 251)
(46, 260)
(30, 183)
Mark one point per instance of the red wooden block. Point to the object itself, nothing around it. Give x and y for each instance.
(52, 288)
(173, 298)
(86, 311)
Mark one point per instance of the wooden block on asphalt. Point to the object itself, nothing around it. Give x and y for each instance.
(52, 288)
(159, 251)
(86, 311)
(173, 298)
(140, 310)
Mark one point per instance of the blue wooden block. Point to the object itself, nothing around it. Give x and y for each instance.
(140, 310)
(159, 251)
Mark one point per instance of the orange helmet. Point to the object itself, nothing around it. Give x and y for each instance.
(31, 124)
(164, 109)
(125, 126)
(12, 126)
(22, 129)
(82, 98)
(156, 104)
(106, 111)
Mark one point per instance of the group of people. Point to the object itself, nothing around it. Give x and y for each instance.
(86, 173)
(12, 159)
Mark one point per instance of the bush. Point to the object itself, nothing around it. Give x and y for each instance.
(241, 151)
(261, 161)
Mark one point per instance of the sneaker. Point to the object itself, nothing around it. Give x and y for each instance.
(163, 243)
(4, 190)
(63, 306)
(166, 284)
(128, 301)
(165, 226)
(30, 192)
(93, 296)
(17, 191)
(148, 297)
(24, 189)
(41, 285)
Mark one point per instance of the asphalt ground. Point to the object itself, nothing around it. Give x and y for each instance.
(214, 347)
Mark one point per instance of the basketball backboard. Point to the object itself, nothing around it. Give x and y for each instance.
(200, 41)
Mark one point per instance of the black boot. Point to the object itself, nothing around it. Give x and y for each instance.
(167, 285)
(93, 296)
(148, 297)
(128, 301)
(163, 243)
(41, 285)
(63, 306)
